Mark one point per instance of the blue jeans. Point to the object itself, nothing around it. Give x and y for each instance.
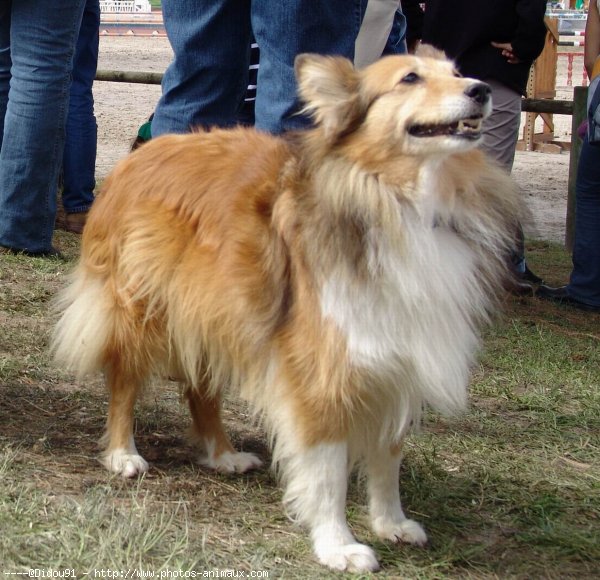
(396, 43)
(584, 285)
(206, 82)
(37, 43)
(79, 158)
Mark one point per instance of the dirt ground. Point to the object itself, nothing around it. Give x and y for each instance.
(121, 108)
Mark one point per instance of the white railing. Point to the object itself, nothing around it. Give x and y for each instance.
(124, 6)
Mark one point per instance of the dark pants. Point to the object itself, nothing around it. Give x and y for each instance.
(585, 277)
(79, 159)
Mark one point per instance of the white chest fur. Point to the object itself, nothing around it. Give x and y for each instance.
(411, 323)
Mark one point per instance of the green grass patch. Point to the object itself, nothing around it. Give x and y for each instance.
(511, 489)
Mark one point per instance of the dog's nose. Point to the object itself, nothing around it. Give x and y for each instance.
(479, 92)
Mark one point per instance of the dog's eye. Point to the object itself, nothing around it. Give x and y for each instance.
(456, 74)
(410, 78)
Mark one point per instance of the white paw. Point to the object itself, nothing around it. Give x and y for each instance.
(407, 531)
(348, 557)
(125, 463)
(232, 462)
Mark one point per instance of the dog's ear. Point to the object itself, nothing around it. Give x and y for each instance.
(330, 88)
(429, 51)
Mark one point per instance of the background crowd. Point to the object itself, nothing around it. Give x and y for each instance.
(49, 54)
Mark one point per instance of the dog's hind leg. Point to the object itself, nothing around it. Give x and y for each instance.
(387, 518)
(121, 455)
(209, 431)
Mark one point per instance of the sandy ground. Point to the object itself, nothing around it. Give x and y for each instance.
(121, 108)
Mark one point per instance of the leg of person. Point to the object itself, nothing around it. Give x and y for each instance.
(5, 61)
(42, 44)
(205, 84)
(375, 31)
(501, 128)
(500, 136)
(396, 43)
(584, 285)
(583, 289)
(286, 28)
(79, 158)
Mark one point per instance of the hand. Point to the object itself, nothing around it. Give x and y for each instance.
(507, 52)
(413, 45)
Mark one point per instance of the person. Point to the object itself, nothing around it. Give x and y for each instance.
(245, 115)
(497, 43)
(37, 44)
(204, 85)
(396, 42)
(79, 157)
(380, 32)
(583, 289)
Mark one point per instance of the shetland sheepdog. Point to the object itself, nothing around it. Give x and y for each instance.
(337, 279)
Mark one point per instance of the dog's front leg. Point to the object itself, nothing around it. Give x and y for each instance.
(387, 518)
(316, 493)
(208, 429)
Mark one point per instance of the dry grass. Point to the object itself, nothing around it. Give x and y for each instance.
(510, 490)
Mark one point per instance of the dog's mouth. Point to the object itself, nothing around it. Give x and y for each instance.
(464, 128)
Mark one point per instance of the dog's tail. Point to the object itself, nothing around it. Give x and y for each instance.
(84, 328)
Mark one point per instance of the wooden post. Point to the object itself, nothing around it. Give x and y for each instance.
(542, 85)
(122, 76)
(579, 114)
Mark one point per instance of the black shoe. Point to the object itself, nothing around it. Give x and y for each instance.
(529, 276)
(51, 253)
(516, 287)
(561, 296)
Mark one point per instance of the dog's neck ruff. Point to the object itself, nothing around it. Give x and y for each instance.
(410, 324)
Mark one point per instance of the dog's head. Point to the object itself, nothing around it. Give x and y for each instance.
(417, 105)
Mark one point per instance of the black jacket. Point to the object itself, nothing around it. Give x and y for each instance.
(464, 30)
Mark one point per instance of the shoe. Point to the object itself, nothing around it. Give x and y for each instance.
(144, 134)
(52, 253)
(71, 222)
(517, 287)
(561, 296)
(137, 143)
(529, 276)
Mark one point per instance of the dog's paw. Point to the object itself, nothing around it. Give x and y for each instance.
(125, 463)
(228, 462)
(407, 531)
(348, 557)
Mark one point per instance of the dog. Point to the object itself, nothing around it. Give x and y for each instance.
(337, 279)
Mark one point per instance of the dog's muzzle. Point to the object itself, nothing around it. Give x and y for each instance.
(467, 127)
(479, 92)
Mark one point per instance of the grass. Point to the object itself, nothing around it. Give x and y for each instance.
(509, 490)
